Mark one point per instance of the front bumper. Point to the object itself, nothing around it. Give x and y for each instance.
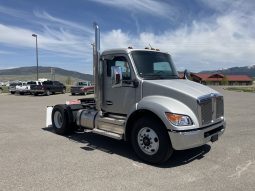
(37, 91)
(182, 140)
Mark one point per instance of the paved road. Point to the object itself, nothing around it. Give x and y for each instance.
(32, 157)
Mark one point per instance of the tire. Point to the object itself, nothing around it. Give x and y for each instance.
(12, 92)
(35, 94)
(73, 93)
(47, 93)
(150, 140)
(1, 90)
(21, 93)
(61, 120)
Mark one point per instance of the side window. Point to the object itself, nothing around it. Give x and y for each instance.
(123, 63)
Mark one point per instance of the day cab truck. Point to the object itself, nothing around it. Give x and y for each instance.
(139, 98)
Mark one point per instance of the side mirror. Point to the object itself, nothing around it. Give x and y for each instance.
(186, 75)
(116, 76)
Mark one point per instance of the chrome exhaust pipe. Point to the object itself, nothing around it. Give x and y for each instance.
(96, 68)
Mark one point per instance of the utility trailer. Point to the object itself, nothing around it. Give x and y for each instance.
(140, 98)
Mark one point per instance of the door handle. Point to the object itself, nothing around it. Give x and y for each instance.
(109, 103)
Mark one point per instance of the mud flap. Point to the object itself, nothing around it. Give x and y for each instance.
(48, 116)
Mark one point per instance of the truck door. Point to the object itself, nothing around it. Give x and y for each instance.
(118, 100)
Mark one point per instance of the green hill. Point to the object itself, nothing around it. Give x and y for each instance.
(29, 73)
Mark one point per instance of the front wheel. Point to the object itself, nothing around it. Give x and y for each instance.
(151, 141)
(47, 93)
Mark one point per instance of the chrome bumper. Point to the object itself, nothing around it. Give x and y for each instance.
(182, 140)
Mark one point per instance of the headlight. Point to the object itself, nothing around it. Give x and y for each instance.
(179, 120)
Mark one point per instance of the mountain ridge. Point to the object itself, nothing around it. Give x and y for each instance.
(245, 70)
(31, 70)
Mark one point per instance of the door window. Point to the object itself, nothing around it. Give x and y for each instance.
(121, 62)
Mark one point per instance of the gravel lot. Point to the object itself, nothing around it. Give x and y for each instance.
(32, 157)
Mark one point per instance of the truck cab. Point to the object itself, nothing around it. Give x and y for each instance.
(140, 98)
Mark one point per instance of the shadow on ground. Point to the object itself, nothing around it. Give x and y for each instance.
(93, 142)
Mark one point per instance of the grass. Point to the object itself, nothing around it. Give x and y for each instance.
(250, 89)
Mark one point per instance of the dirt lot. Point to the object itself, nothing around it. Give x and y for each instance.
(32, 157)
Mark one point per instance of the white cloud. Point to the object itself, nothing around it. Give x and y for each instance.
(56, 35)
(12, 12)
(60, 22)
(5, 52)
(152, 7)
(221, 41)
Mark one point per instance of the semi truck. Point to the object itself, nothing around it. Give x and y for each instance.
(139, 98)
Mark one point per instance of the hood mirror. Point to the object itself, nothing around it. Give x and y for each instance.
(186, 75)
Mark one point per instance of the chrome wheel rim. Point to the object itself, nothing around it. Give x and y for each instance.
(58, 120)
(148, 141)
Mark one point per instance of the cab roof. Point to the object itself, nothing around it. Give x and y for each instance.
(127, 51)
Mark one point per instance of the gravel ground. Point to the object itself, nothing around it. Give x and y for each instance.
(32, 157)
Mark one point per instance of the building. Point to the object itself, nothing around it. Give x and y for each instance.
(220, 79)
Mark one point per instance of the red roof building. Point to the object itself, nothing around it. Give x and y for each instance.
(220, 79)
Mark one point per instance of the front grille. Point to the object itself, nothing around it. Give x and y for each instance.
(211, 108)
(206, 111)
(219, 107)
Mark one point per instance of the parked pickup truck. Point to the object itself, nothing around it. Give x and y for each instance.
(82, 88)
(47, 88)
(24, 87)
(12, 87)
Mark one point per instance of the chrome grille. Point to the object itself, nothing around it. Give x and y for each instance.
(219, 107)
(211, 108)
(206, 111)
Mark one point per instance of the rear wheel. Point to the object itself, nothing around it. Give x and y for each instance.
(61, 120)
(151, 141)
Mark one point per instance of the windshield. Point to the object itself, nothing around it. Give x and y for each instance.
(154, 65)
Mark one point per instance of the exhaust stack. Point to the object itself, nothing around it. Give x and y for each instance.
(96, 67)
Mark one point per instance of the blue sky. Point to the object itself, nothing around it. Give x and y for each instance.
(199, 34)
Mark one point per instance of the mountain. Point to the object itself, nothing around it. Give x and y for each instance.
(246, 70)
(44, 72)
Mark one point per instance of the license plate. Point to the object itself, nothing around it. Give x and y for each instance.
(214, 138)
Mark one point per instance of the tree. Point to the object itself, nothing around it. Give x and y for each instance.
(224, 81)
(68, 80)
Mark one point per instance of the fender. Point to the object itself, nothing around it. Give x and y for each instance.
(161, 104)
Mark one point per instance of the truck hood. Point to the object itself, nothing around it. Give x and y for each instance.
(185, 91)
